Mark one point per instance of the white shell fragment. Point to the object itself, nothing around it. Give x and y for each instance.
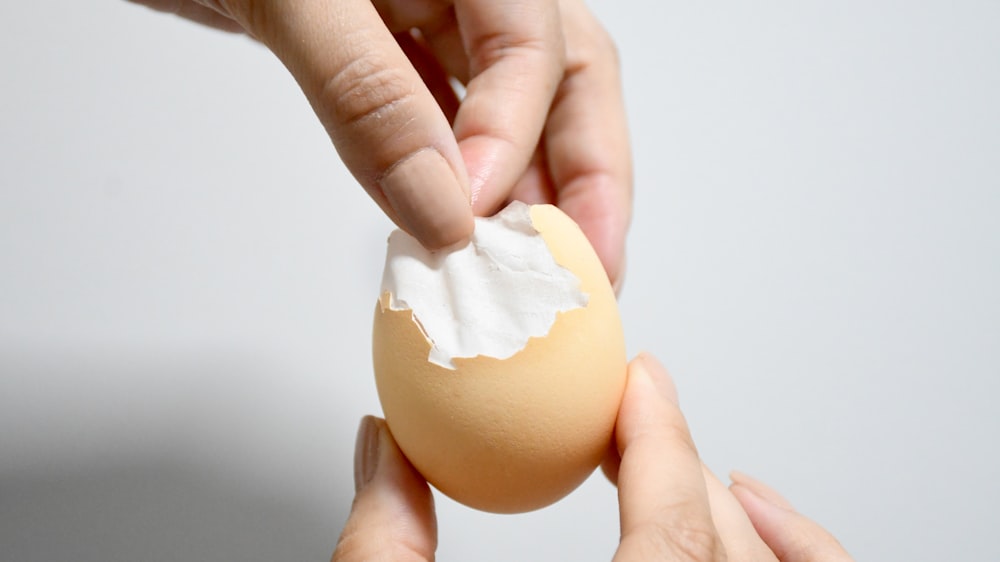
(486, 298)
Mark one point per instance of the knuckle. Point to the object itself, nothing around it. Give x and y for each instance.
(680, 434)
(696, 544)
(253, 15)
(357, 546)
(589, 45)
(351, 546)
(682, 541)
(366, 92)
(256, 17)
(655, 432)
(220, 6)
(806, 546)
(607, 46)
(489, 48)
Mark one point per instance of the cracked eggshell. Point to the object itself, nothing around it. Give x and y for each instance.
(517, 434)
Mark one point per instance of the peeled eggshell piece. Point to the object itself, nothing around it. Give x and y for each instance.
(486, 298)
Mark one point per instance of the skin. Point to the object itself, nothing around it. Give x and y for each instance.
(671, 506)
(542, 119)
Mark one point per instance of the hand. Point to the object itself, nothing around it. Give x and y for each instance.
(671, 506)
(542, 119)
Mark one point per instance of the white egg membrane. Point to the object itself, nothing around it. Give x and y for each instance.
(486, 298)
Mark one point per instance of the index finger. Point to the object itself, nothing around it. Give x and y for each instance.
(517, 57)
(661, 490)
(382, 119)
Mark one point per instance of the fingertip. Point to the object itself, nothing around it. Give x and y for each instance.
(649, 401)
(393, 509)
(649, 410)
(759, 488)
(791, 536)
(649, 366)
(768, 520)
(430, 200)
(661, 488)
(394, 470)
(752, 502)
(453, 230)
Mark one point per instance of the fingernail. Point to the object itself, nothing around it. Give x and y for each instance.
(429, 200)
(477, 181)
(658, 374)
(760, 489)
(617, 286)
(366, 452)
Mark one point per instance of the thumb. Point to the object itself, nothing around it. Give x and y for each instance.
(384, 122)
(392, 517)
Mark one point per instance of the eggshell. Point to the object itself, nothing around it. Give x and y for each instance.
(516, 434)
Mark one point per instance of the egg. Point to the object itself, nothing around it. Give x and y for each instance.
(522, 415)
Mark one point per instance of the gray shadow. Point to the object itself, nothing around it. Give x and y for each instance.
(153, 512)
(142, 460)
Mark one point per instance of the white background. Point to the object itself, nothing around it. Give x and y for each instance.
(188, 274)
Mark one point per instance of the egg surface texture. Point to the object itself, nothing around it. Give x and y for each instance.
(500, 365)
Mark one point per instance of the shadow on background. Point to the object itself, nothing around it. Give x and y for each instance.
(152, 512)
(150, 459)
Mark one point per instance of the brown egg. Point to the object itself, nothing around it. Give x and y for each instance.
(510, 434)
